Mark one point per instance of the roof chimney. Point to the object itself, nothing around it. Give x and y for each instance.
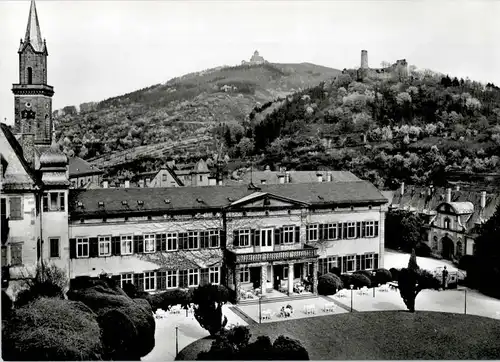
(448, 194)
(105, 184)
(457, 188)
(402, 188)
(127, 184)
(483, 199)
(320, 177)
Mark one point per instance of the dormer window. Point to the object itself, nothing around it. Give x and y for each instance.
(140, 202)
(230, 199)
(167, 201)
(80, 204)
(267, 202)
(199, 200)
(100, 203)
(125, 203)
(447, 223)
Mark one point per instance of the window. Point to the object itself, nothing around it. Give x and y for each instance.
(192, 240)
(193, 276)
(54, 247)
(171, 278)
(369, 229)
(16, 212)
(126, 278)
(447, 223)
(3, 208)
(245, 275)
(82, 247)
(149, 243)
(104, 245)
(435, 243)
(126, 244)
(164, 177)
(30, 75)
(244, 237)
(285, 273)
(312, 232)
(201, 178)
(214, 238)
(16, 254)
(266, 237)
(369, 260)
(288, 232)
(183, 240)
(459, 247)
(331, 262)
(351, 263)
(54, 201)
(331, 231)
(322, 266)
(171, 241)
(149, 281)
(351, 230)
(213, 275)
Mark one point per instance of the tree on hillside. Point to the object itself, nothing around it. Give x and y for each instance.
(413, 280)
(208, 301)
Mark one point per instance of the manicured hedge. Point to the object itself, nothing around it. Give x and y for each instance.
(335, 271)
(394, 274)
(119, 335)
(382, 276)
(346, 280)
(51, 329)
(286, 348)
(103, 296)
(368, 274)
(329, 284)
(360, 280)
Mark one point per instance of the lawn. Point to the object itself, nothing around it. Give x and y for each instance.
(384, 335)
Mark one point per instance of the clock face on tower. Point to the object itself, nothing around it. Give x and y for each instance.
(27, 105)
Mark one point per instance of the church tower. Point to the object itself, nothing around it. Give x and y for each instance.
(32, 95)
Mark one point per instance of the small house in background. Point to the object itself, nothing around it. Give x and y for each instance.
(83, 175)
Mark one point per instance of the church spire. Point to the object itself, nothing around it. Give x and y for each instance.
(33, 34)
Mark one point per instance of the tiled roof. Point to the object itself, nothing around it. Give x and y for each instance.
(80, 167)
(418, 198)
(273, 177)
(18, 151)
(464, 207)
(213, 197)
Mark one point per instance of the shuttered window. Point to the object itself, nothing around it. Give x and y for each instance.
(16, 254)
(288, 234)
(149, 281)
(16, 210)
(104, 245)
(312, 232)
(82, 247)
(149, 243)
(214, 275)
(161, 280)
(126, 244)
(172, 278)
(244, 237)
(126, 278)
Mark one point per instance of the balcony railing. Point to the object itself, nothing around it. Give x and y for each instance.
(275, 255)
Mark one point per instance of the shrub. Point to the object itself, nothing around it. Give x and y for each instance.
(208, 301)
(261, 349)
(346, 280)
(394, 273)
(48, 281)
(101, 299)
(360, 280)
(169, 298)
(329, 284)
(52, 329)
(382, 276)
(423, 250)
(368, 274)
(144, 303)
(118, 336)
(336, 271)
(286, 348)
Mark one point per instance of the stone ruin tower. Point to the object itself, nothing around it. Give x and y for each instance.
(364, 59)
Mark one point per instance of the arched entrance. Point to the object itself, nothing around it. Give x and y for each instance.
(448, 247)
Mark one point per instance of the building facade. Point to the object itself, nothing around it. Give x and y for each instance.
(452, 216)
(239, 236)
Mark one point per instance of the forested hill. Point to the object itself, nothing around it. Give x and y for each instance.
(389, 130)
(182, 108)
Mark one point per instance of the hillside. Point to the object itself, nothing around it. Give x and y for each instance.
(122, 128)
(418, 128)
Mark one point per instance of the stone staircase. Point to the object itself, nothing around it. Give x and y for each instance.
(277, 299)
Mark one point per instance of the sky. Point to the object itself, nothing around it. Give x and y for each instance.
(100, 49)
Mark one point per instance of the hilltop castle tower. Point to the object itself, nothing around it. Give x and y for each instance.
(364, 59)
(32, 95)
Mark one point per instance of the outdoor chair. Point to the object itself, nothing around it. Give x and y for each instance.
(267, 314)
(329, 307)
(383, 288)
(341, 293)
(175, 309)
(364, 291)
(309, 309)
